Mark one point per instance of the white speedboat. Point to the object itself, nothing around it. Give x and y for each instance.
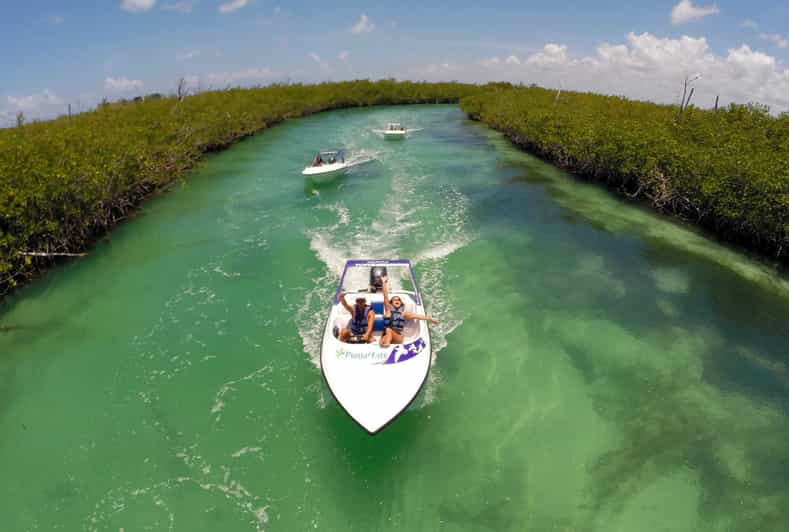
(371, 383)
(326, 165)
(395, 131)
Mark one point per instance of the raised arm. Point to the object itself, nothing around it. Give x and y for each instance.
(345, 303)
(385, 288)
(412, 316)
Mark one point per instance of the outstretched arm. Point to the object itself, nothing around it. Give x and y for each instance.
(385, 287)
(412, 316)
(345, 303)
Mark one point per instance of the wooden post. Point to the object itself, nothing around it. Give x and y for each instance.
(716, 102)
(689, 97)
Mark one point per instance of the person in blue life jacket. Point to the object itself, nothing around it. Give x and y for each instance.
(395, 317)
(362, 320)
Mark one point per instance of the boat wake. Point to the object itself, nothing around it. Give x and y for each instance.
(406, 219)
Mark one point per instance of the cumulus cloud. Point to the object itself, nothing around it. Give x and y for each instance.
(55, 20)
(122, 84)
(512, 60)
(363, 25)
(685, 12)
(34, 102)
(644, 67)
(233, 5)
(315, 57)
(137, 6)
(750, 24)
(37, 105)
(344, 55)
(551, 55)
(780, 41)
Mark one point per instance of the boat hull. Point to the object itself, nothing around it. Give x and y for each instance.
(324, 174)
(373, 384)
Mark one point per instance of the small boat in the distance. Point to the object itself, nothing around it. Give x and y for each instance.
(327, 165)
(394, 131)
(374, 384)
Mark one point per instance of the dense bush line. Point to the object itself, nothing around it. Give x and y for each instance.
(727, 170)
(64, 182)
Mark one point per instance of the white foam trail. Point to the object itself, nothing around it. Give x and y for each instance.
(342, 212)
(230, 386)
(333, 258)
(221, 481)
(441, 251)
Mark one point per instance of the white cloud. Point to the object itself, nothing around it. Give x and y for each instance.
(233, 5)
(55, 20)
(644, 67)
(551, 55)
(185, 7)
(779, 40)
(363, 25)
(497, 61)
(748, 23)
(344, 55)
(137, 6)
(685, 11)
(34, 102)
(43, 104)
(248, 75)
(315, 57)
(122, 84)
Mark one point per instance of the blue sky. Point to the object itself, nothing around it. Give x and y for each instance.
(57, 53)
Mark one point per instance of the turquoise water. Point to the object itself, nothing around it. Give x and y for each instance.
(596, 367)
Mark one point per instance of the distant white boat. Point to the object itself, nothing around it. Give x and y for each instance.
(374, 384)
(395, 131)
(327, 165)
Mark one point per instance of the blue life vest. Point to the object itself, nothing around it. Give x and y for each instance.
(359, 321)
(396, 321)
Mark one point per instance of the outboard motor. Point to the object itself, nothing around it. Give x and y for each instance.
(376, 272)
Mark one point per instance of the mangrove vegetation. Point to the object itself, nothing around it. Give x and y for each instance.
(65, 182)
(726, 169)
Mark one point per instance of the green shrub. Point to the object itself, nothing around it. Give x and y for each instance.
(63, 182)
(727, 170)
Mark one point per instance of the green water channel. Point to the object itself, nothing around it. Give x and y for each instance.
(596, 368)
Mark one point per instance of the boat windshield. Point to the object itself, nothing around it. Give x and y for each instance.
(359, 276)
(331, 157)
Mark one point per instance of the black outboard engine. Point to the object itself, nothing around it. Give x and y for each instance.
(376, 272)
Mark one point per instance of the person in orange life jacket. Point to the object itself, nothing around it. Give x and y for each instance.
(395, 316)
